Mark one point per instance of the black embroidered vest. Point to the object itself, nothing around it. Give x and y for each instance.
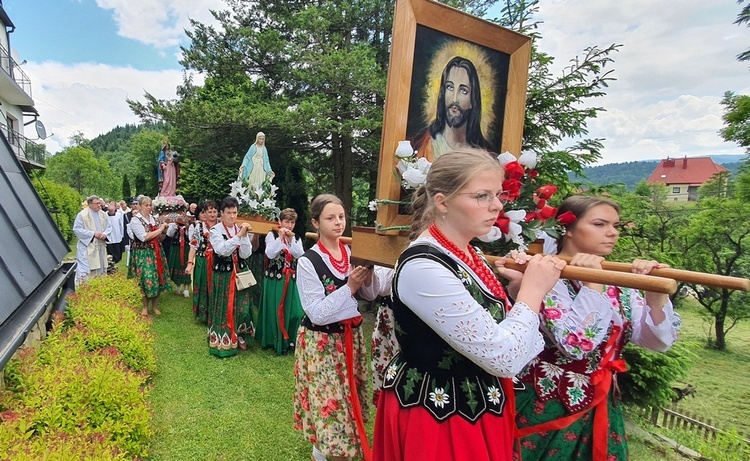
(428, 371)
(330, 283)
(275, 266)
(225, 263)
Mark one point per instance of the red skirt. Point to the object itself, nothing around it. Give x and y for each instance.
(413, 434)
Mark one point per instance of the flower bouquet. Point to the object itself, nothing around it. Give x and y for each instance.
(256, 199)
(171, 209)
(526, 216)
(174, 204)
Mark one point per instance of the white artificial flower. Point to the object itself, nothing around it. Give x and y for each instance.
(514, 230)
(237, 188)
(506, 157)
(373, 205)
(413, 177)
(268, 203)
(516, 215)
(402, 166)
(258, 191)
(274, 188)
(244, 197)
(252, 203)
(494, 234)
(423, 165)
(528, 159)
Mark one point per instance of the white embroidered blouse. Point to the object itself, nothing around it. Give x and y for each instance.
(441, 300)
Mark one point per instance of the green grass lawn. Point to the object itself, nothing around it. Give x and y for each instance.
(722, 379)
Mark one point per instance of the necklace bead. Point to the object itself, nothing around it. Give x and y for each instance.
(475, 263)
(341, 265)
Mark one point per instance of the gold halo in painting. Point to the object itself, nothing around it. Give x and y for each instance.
(481, 62)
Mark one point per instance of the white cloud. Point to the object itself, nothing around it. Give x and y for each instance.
(677, 60)
(159, 23)
(91, 98)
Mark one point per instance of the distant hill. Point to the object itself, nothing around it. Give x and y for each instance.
(630, 173)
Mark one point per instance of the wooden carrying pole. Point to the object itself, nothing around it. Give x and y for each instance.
(629, 280)
(620, 279)
(700, 278)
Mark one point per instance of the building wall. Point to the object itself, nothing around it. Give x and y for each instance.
(677, 192)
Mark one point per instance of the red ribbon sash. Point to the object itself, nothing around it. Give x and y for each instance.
(601, 380)
(288, 272)
(349, 324)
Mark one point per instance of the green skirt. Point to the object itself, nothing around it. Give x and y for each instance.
(177, 266)
(269, 324)
(574, 442)
(224, 328)
(143, 268)
(200, 289)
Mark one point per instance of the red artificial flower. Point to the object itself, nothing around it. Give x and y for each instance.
(533, 174)
(503, 223)
(547, 191)
(566, 218)
(513, 188)
(514, 170)
(546, 212)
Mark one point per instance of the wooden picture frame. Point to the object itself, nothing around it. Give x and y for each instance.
(425, 31)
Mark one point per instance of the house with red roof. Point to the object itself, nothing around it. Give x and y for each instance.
(683, 176)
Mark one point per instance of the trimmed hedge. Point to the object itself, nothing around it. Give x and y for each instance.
(82, 394)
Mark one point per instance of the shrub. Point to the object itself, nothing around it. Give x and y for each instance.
(82, 394)
(63, 200)
(648, 381)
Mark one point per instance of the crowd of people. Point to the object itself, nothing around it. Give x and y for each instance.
(467, 365)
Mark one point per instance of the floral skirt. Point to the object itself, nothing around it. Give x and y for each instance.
(322, 398)
(413, 434)
(177, 265)
(143, 268)
(574, 442)
(226, 325)
(269, 324)
(200, 289)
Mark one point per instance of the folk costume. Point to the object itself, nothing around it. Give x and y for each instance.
(447, 394)
(280, 312)
(148, 263)
(330, 354)
(202, 269)
(567, 409)
(91, 253)
(178, 254)
(230, 317)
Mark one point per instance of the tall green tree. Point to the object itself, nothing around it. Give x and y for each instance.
(126, 189)
(743, 18)
(717, 240)
(77, 167)
(311, 75)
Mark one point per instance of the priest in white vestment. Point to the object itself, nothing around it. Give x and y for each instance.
(92, 229)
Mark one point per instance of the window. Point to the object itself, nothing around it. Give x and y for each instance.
(675, 190)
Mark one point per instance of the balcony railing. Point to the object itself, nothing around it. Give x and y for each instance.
(11, 67)
(26, 150)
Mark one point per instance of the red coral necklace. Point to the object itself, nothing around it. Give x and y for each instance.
(476, 263)
(341, 265)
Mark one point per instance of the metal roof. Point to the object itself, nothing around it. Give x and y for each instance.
(31, 247)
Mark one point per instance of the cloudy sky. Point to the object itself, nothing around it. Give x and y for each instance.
(85, 57)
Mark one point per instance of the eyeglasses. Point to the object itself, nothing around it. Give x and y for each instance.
(485, 199)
